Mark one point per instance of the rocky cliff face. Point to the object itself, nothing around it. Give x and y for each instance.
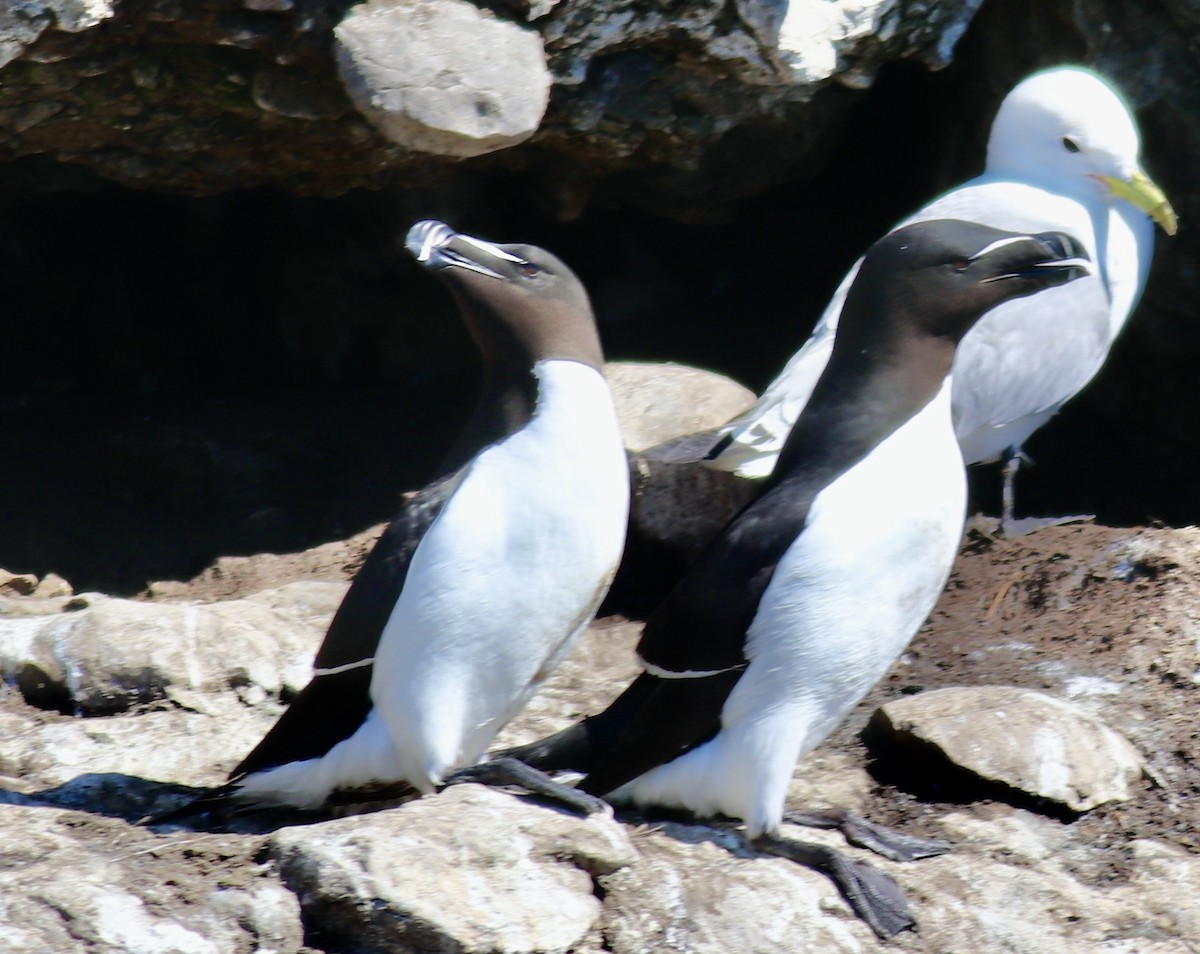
(203, 198)
(322, 97)
(212, 348)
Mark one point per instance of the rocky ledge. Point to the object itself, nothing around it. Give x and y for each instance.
(1042, 722)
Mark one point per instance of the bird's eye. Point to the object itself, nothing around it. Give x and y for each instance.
(529, 269)
(961, 264)
(1070, 144)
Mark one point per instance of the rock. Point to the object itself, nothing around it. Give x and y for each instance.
(1000, 899)
(476, 869)
(123, 892)
(656, 90)
(17, 584)
(432, 875)
(679, 506)
(816, 39)
(291, 93)
(23, 23)
(660, 401)
(112, 654)
(444, 77)
(695, 890)
(52, 585)
(120, 764)
(667, 414)
(1025, 740)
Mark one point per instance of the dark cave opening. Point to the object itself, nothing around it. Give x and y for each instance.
(188, 378)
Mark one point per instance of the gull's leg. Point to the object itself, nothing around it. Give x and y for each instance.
(1010, 526)
(1012, 463)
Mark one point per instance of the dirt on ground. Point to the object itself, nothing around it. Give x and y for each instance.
(1099, 616)
(1091, 614)
(1088, 613)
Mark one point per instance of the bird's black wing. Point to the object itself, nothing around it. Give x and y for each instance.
(336, 702)
(693, 646)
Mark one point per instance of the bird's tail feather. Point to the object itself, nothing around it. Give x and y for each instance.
(578, 748)
(217, 801)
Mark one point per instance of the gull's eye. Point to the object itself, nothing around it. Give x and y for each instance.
(529, 269)
(1070, 144)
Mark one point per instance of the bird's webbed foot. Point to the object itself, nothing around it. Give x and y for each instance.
(873, 894)
(891, 844)
(505, 771)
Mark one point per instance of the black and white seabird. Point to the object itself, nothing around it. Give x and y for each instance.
(1062, 156)
(807, 597)
(476, 591)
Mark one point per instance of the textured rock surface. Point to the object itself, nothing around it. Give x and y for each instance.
(59, 892)
(443, 76)
(1026, 740)
(102, 655)
(678, 504)
(80, 763)
(690, 883)
(23, 23)
(658, 401)
(1104, 618)
(681, 504)
(209, 96)
(387, 881)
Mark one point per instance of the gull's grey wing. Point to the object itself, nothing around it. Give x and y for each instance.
(1017, 366)
(749, 444)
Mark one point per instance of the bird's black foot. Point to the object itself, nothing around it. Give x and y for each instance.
(891, 844)
(509, 771)
(874, 895)
(215, 806)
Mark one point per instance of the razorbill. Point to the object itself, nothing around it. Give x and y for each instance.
(476, 591)
(1062, 156)
(807, 597)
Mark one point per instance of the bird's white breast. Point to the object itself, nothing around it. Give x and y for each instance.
(865, 572)
(509, 572)
(844, 601)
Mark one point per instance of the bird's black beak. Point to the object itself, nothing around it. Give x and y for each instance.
(1049, 258)
(435, 245)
